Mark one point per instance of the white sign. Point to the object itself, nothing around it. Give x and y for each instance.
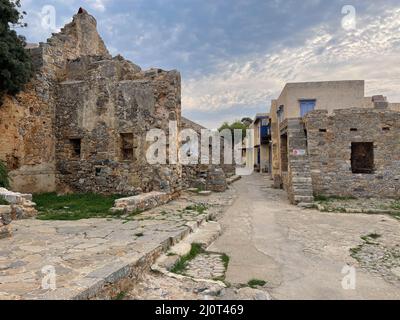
(299, 152)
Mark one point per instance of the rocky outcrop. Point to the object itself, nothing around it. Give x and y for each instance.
(20, 206)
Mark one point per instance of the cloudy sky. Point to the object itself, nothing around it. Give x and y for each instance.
(236, 55)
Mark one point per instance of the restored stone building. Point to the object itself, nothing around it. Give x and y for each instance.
(80, 125)
(328, 139)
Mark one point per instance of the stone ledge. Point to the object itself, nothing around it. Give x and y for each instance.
(141, 202)
(323, 208)
(205, 236)
(20, 204)
(233, 179)
(15, 197)
(107, 281)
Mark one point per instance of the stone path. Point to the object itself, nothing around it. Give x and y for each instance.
(87, 255)
(302, 253)
(159, 287)
(206, 266)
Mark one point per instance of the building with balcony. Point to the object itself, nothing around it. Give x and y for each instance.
(260, 154)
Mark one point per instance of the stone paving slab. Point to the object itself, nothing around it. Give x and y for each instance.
(90, 254)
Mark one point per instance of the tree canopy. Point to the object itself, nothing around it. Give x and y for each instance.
(235, 125)
(15, 62)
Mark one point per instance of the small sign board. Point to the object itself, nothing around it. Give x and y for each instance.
(299, 152)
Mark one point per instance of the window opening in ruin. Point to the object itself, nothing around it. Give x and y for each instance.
(98, 171)
(127, 146)
(322, 130)
(362, 157)
(353, 129)
(386, 129)
(76, 147)
(284, 153)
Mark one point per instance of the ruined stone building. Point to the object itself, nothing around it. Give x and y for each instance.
(329, 139)
(80, 125)
(211, 176)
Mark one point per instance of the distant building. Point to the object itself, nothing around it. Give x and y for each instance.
(328, 138)
(259, 154)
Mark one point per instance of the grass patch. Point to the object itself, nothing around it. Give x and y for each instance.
(180, 266)
(120, 296)
(200, 208)
(171, 254)
(74, 206)
(356, 250)
(396, 205)
(323, 198)
(3, 202)
(254, 283)
(374, 236)
(225, 260)
(369, 237)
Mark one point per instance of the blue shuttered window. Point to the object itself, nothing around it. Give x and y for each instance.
(306, 106)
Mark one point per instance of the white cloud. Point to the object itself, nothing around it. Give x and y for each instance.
(370, 52)
(98, 5)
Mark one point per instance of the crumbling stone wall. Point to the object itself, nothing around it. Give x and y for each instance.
(27, 141)
(18, 206)
(330, 139)
(74, 127)
(104, 105)
(206, 176)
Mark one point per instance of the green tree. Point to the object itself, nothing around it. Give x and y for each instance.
(235, 125)
(4, 179)
(15, 63)
(247, 121)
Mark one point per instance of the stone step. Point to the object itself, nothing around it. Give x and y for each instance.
(303, 199)
(303, 194)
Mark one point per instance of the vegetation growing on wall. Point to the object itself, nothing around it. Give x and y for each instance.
(4, 179)
(15, 62)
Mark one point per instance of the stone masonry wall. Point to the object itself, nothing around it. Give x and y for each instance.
(329, 145)
(298, 182)
(80, 125)
(27, 142)
(205, 176)
(109, 100)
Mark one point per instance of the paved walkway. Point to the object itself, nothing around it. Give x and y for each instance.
(88, 254)
(300, 253)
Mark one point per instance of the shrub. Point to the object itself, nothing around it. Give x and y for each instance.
(16, 66)
(4, 178)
